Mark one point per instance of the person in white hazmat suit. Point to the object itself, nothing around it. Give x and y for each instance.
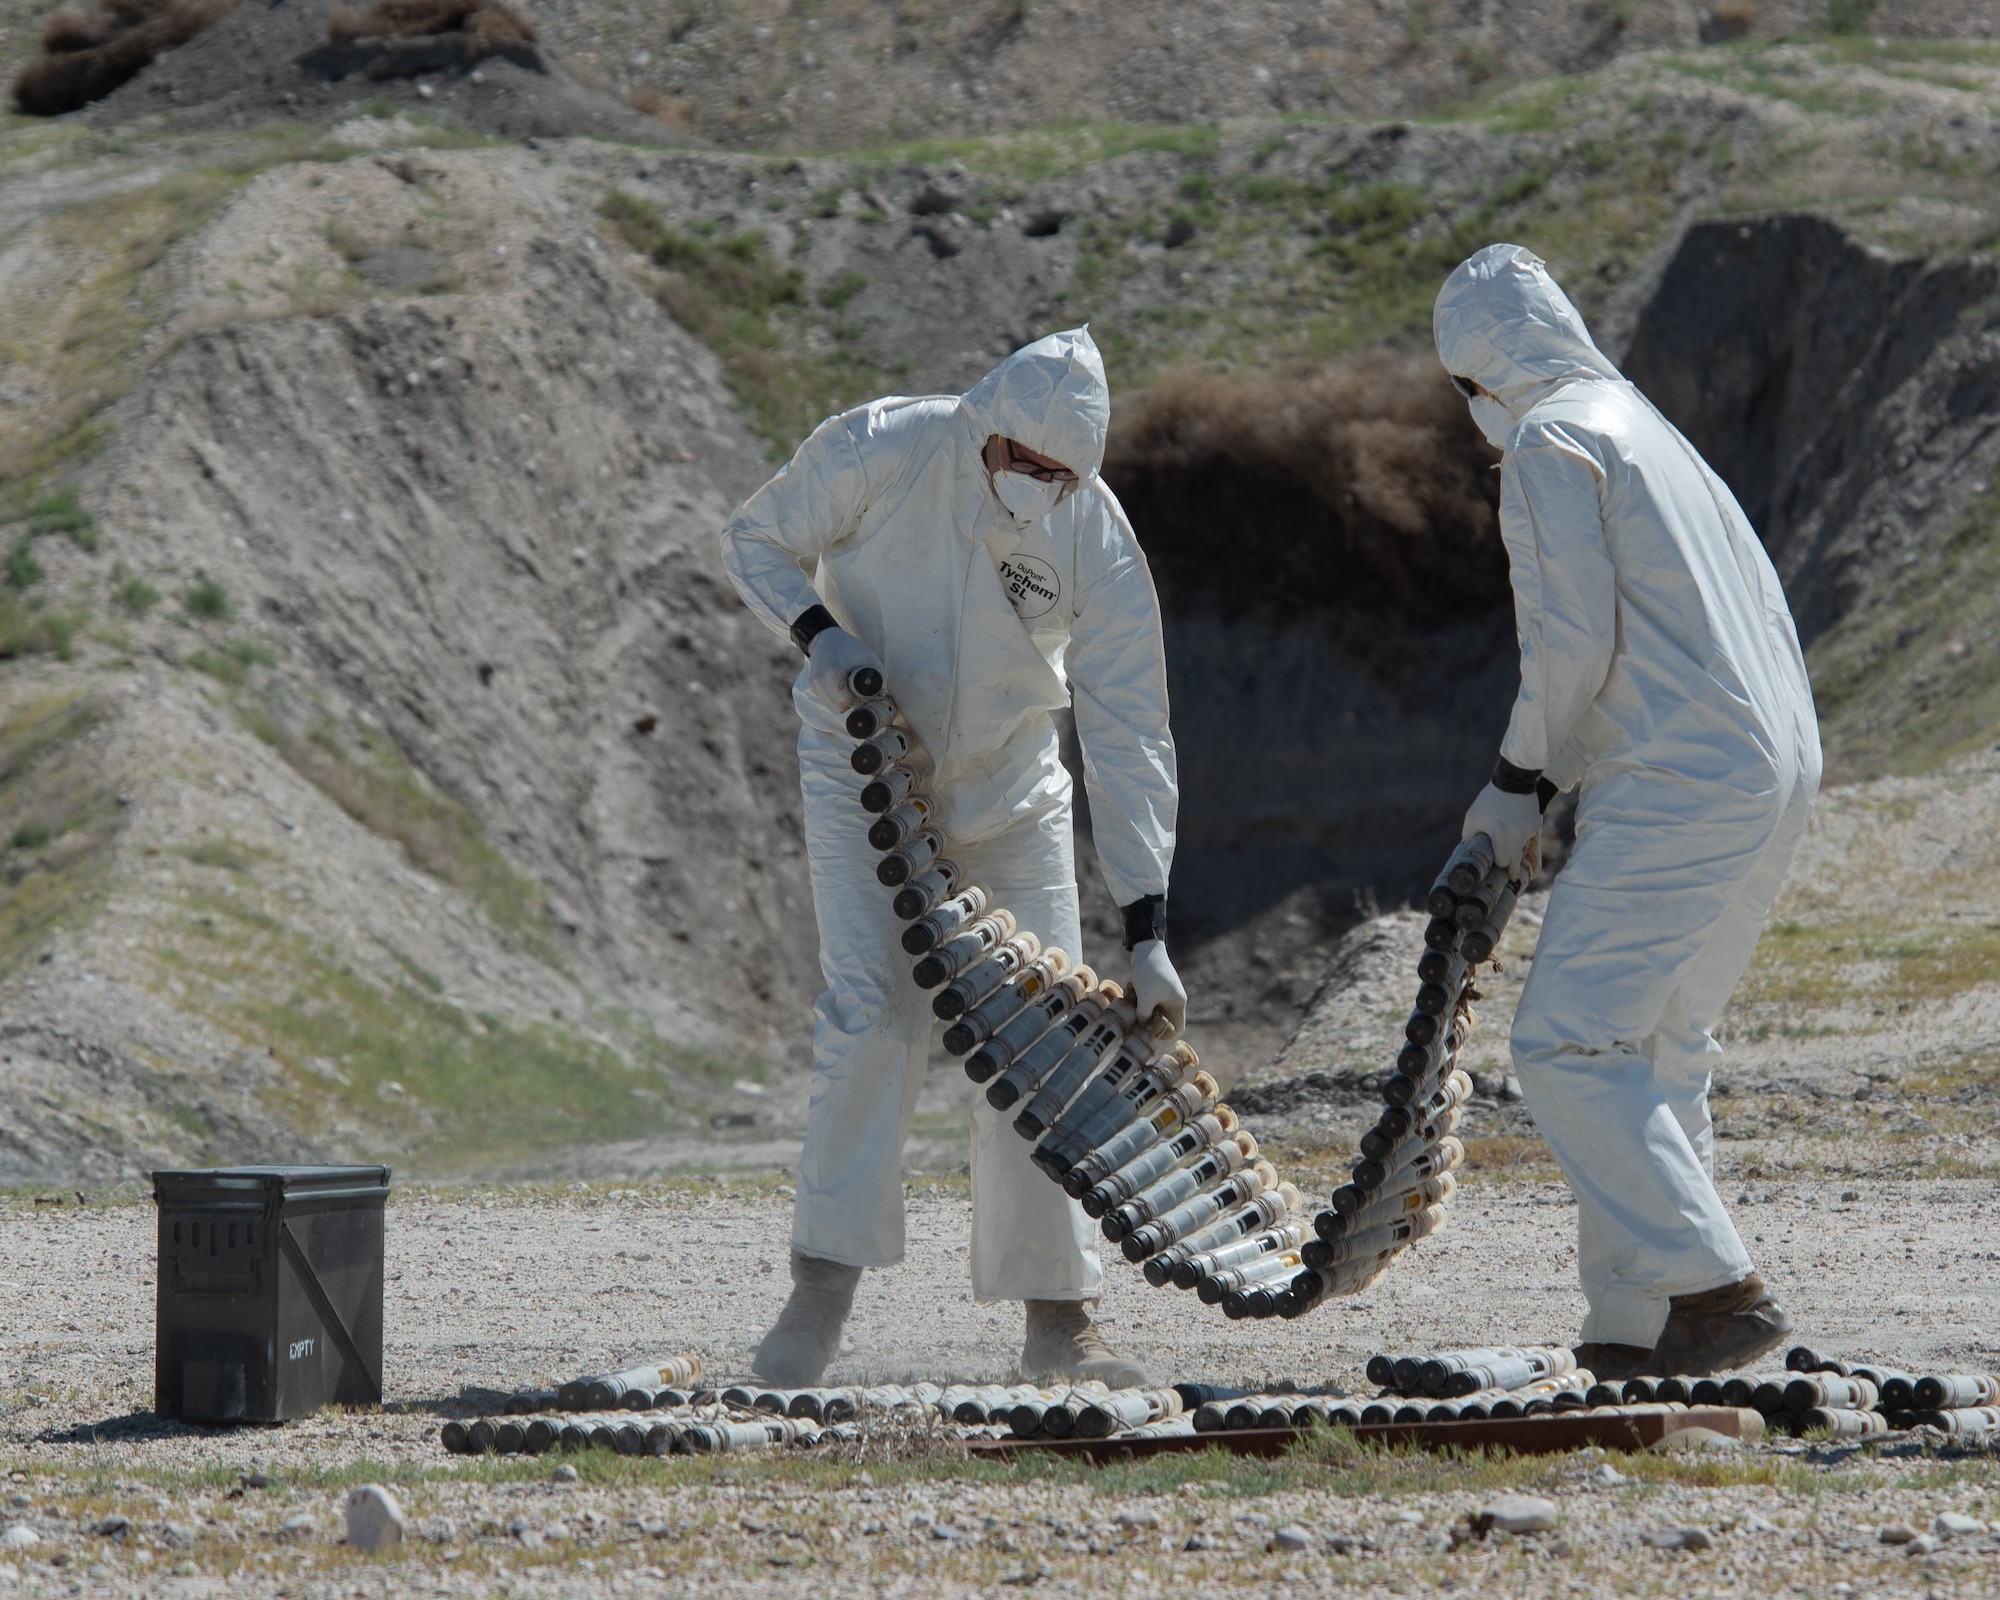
(966, 546)
(1661, 676)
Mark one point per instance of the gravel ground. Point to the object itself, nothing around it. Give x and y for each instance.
(489, 1289)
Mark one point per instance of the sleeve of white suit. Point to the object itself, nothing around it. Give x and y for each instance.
(1565, 592)
(772, 544)
(1118, 686)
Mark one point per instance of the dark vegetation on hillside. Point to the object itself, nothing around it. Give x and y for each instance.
(1352, 485)
(84, 57)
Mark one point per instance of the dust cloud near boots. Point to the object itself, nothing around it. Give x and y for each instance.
(806, 1335)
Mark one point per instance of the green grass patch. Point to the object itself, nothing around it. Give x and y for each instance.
(22, 570)
(134, 594)
(364, 772)
(29, 629)
(208, 599)
(733, 294)
(473, 1089)
(59, 511)
(64, 821)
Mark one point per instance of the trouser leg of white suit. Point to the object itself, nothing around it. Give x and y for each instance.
(1030, 1241)
(1646, 934)
(872, 1042)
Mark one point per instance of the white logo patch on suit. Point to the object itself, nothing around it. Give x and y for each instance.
(1032, 585)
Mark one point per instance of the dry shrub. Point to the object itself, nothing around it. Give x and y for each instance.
(1343, 485)
(675, 113)
(485, 23)
(1734, 13)
(84, 57)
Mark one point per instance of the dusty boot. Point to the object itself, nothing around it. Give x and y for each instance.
(1063, 1342)
(1614, 1363)
(807, 1333)
(1720, 1330)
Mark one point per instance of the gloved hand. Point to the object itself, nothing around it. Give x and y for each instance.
(1509, 820)
(835, 654)
(1155, 984)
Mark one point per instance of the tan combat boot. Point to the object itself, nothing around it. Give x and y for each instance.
(1063, 1342)
(1720, 1330)
(1614, 1363)
(795, 1353)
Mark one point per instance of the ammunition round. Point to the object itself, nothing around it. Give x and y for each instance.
(452, 1437)
(870, 718)
(865, 682)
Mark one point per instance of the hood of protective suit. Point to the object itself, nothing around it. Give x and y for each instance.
(1503, 322)
(1050, 396)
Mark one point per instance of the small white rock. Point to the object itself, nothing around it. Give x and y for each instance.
(375, 1520)
(1609, 1476)
(1291, 1537)
(1956, 1524)
(1923, 1545)
(1138, 1517)
(563, 1474)
(1680, 1539)
(1519, 1513)
(19, 1536)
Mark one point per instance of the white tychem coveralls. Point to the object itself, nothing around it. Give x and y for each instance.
(984, 626)
(1661, 673)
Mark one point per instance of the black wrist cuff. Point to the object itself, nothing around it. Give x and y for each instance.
(810, 624)
(1510, 779)
(1545, 792)
(1145, 919)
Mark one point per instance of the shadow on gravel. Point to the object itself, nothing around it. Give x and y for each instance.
(132, 1426)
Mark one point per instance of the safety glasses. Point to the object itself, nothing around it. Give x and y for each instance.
(1022, 464)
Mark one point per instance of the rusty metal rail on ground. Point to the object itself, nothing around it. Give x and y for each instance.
(1630, 1429)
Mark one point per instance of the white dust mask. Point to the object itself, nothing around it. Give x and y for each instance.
(1492, 419)
(1026, 499)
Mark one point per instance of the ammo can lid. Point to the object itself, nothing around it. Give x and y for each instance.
(269, 1185)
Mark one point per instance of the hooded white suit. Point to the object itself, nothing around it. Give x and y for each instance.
(887, 516)
(1661, 672)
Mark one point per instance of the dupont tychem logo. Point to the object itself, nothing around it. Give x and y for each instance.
(1032, 585)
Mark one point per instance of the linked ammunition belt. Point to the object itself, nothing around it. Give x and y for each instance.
(1122, 1116)
(1119, 1113)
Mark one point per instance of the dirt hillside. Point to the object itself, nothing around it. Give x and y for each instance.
(362, 480)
